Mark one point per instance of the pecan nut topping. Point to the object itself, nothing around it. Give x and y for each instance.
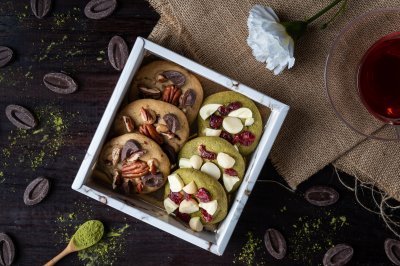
(169, 135)
(148, 116)
(117, 179)
(171, 94)
(128, 123)
(151, 132)
(161, 128)
(139, 187)
(153, 93)
(115, 155)
(161, 78)
(134, 169)
(153, 166)
(135, 156)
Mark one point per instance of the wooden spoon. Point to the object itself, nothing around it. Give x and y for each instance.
(72, 247)
(69, 249)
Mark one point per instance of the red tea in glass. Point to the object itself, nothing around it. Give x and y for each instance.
(379, 79)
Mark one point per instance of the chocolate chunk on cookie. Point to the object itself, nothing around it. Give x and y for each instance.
(166, 81)
(134, 163)
(162, 122)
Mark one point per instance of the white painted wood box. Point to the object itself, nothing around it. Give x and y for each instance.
(217, 240)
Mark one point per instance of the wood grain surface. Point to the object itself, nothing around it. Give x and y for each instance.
(67, 41)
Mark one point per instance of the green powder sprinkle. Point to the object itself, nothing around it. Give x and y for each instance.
(2, 178)
(17, 76)
(72, 216)
(302, 242)
(21, 16)
(247, 255)
(106, 251)
(36, 148)
(73, 53)
(47, 52)
(88, 234)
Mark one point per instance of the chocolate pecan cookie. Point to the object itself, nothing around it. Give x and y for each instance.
(166, 81)
(158, 120)
(233, 117)
(134, 163)
(215, 157)
(195, 198)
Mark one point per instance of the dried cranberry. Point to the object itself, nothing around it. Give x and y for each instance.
(176, 197)
(231, 172)
(206, 216)
(183, 216)
(215, 121)
(226, 136)
(205, 153)
(223, 110)
(246, 138)
(234, 106)
(203, 195)
(186, 196)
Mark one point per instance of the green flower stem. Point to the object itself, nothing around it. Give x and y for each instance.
(323, 11)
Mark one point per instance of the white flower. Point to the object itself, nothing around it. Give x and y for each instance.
(268, 39)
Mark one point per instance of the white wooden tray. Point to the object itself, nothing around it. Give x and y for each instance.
(216, 241)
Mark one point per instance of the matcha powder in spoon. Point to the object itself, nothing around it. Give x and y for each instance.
(88, 234)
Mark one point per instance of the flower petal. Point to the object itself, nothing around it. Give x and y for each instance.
(269, 40)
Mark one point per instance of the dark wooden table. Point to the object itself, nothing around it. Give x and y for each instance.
(67, 41)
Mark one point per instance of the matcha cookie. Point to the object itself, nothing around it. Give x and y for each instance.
(166, 81)
(233, 117)
(216, 157)
(160, 121)
(196, 198)
(134, 163)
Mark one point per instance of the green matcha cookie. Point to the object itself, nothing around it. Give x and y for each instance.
(195, 198)
(166, 81)
(216, 157)
(133, 163)
(233, 117)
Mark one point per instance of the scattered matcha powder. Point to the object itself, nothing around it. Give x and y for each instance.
(101, 55)
(34, 149)
(16, 76)
(21, 16)
(65, 19)
(74, 52)
(107, 250)
(49, 48)
(302, 242)
(247, 255)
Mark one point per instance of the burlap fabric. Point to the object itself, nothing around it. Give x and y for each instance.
(214, 32)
